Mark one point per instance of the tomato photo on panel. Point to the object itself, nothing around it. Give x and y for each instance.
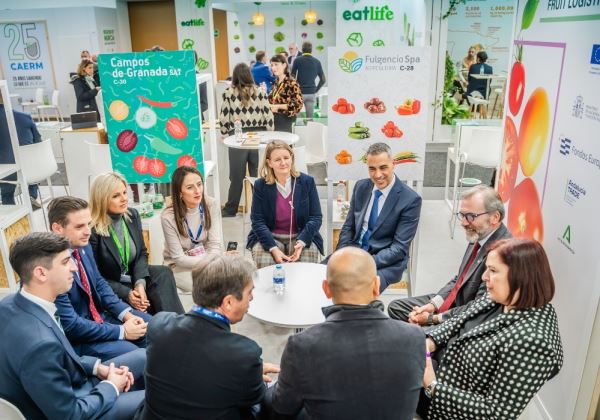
(525, 213)
(177, 128)
(516, 89)
(533, 131)
(186, 160)
(140, 164)
(510, 161)
(157, 167)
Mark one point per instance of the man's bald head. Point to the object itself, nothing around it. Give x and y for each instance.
(351, 273)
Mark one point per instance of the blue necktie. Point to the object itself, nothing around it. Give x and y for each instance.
(372, 220)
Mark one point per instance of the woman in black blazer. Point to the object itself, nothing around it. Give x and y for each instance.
(492, 369)
(85, 88)
(120, 252)
(286, 212)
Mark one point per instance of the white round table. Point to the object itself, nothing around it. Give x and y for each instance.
(265, 137)
(300, 305)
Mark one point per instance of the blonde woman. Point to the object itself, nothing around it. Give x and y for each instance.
(286, 212)
(85, 88)
(187, 225)
(120, 252)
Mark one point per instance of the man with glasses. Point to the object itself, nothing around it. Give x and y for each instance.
(481, 213)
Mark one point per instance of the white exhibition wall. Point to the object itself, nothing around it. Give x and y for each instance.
(70, 30)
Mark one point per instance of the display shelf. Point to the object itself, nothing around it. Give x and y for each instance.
(7, 169)
(10, 214)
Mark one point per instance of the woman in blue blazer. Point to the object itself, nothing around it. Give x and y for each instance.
(286, 212)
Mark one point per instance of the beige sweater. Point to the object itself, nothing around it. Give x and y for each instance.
(176, 245)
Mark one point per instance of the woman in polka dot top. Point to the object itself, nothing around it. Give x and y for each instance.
(499, 352)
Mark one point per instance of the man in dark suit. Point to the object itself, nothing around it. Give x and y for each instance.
(197, 368)
(386, 229)
(95, 320)
(293, 54)
(358, 364)
(481, 213)
(40, 373)
(27, 133)
(479, 85)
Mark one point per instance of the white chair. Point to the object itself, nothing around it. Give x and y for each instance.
(484, 149)
(100, 160)
(39, 100)
(53, 106)
(302, 132)
(478, 104)
(300, 158)
(315, 142)
(9, 412)
(38, 163)
(248, 182)
(220, 88)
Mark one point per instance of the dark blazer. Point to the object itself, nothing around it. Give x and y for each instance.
(394, 231)
(358, 364)
(40, 372)
(108, 260)
(472, 286)
(86, 96)
(497, 367)
(198, 369)
(26, 131)
(307, 210)
(479, 85)
(73, 306)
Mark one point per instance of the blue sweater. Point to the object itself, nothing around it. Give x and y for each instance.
(262, 73)
(26, 131)
(306, 69)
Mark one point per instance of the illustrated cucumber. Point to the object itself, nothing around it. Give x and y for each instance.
(162, 146)
(358, 130)
(359, 136)
(358, 124)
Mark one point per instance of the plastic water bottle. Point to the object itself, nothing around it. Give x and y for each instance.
(481, 69)
(279, 279)
(237, 130)
(340, 192)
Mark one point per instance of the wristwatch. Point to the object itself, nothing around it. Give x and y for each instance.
(429, 389)
(430, 319)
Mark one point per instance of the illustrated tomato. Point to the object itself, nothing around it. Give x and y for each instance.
(343, 109)
(516, 89)
(177, 128)
(351, 108)
(342, 101)
(127, 140)
(510, 163)
(533, 131)
(524, 212)
(335, 107)
(140, 164)
(157, 167)
(416, 106)
(186, 160)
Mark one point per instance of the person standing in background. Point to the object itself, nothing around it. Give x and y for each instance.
(294, 53)
(27, 133)
(261, 73)
(286, 97)
(306, 69)
(85, 88)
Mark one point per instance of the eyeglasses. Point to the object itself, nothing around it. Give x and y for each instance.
(470, 217)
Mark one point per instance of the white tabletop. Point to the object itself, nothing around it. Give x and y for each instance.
(265, 137)
(300, 305)
(487, 76)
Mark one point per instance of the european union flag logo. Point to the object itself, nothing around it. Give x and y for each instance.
(595, 54)
(565, 146)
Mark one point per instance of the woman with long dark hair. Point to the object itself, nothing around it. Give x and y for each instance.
(247, 103)
(285, 96)
(187, 225)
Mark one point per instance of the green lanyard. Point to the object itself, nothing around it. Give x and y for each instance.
(123, 253)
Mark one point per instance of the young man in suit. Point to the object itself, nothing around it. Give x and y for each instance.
(197, 368)
(95, 320)
(40, 373)
(358, 364)
(261, 72)
(383, 217)
(481, 213)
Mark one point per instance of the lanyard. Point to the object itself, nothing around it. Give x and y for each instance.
(279, 88)
(123, 253)
(211, 314)
(195, 239)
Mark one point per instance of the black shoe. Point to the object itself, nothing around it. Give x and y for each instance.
(225, 213)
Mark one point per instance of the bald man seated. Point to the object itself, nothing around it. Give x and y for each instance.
(359, 363)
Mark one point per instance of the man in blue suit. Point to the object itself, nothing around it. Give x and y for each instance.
(261, 71)
(27, 133)
(383, 216)
(95, 320)
(40, 373)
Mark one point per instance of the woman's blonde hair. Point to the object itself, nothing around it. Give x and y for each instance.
(82, 66)
(101, 191)
(267, 172)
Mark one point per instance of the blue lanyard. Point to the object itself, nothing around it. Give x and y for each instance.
(196, 239)
(211, 314)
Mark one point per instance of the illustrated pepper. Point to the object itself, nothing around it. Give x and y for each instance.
(404, 110)
(155, 103)
(416, 106)
(162, 146)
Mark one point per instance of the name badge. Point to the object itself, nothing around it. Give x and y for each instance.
(197, 250)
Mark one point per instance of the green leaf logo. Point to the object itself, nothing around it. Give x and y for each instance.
(187, 44)
(350, 62)
(355, 39)
(378, 43)
(201, 64)
(345, 65)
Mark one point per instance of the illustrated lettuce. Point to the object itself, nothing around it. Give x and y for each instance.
(355, 39)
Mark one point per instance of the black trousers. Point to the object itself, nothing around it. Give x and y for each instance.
(162, 291)
(283, 122)
(401, 308)
(238, 158)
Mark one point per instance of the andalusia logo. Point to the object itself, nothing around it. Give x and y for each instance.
(350, 62)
